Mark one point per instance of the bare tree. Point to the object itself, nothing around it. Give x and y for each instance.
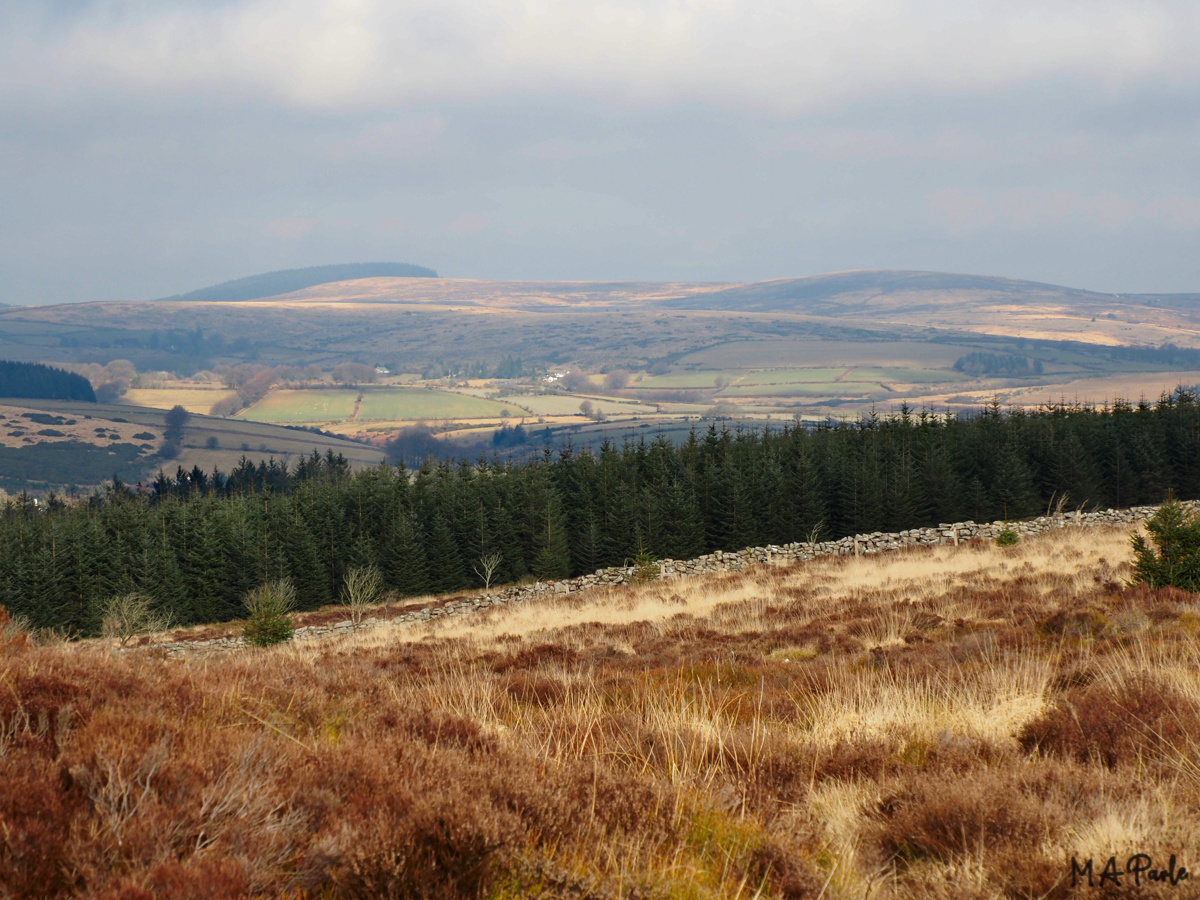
(486, 568)
(575, 380)
(361, 590)
(616, 379)
(355, 373)
(125, 616)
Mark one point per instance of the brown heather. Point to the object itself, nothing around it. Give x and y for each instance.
(938, 722)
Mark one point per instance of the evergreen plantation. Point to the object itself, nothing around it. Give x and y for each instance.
(199, 542)
(34, 380)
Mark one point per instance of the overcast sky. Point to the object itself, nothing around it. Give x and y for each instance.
(150, 147)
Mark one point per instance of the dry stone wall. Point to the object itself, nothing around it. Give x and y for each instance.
(711, 563)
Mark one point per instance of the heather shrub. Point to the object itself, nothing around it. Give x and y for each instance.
(1142, 719)
(198, 879)
(36, 819)
(780, 866)
(539, 690)
(268, 606)
(942, 817)
(430, 830)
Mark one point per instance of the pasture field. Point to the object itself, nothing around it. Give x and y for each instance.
(815, 375)
(789, 354)
(1131, 387)
(568, 404)
(903, 375)
(191, 397)
(382, 404)
(842, 390)
(939, 723)
(418, 403)
(293, 407)
(701, 378)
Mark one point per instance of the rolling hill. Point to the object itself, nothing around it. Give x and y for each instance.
(287, 280)
(834, 344)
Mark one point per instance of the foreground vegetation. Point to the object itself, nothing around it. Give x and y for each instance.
(940, 722)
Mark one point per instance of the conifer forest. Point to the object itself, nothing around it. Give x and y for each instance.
(198, 542)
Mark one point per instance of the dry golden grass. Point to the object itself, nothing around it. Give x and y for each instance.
(941, 722)
(198, 399)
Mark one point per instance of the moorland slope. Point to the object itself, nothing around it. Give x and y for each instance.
(941, 722)
(285, 280)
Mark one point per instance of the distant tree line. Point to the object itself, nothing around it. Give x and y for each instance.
(41, 382)
(444, 368)
(197, 542)
(1164, 355)
(1008, 365)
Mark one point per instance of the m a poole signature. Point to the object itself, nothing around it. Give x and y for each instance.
(1138, 868)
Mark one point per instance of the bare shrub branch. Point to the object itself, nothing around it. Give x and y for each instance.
(362, 589)
(486, 568)
(125, 616)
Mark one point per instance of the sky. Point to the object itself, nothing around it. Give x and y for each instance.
(150, 148)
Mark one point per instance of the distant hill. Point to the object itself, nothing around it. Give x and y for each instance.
(36, 381)
(287, 280)
(840, 292)
(1170, 301)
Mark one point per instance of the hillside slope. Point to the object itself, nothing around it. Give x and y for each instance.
(286, 280)
(947, 722)
(881, 299)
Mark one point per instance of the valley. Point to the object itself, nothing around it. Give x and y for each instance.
(455, 362)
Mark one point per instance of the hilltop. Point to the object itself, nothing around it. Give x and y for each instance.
(984, 304)
(286, 280)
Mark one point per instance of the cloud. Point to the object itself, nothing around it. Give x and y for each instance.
(150, 147)
(1027, 209)
(779, 56)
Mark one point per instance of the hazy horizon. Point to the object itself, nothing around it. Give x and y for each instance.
(151, 150)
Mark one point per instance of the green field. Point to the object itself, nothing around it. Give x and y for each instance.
(793, 376)
(704, 378)
(828, 389)
(381, 404)
(394, 404)
(775, 378)
(796, 353)
(905, 375)
(568, 405)
(302, 406)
